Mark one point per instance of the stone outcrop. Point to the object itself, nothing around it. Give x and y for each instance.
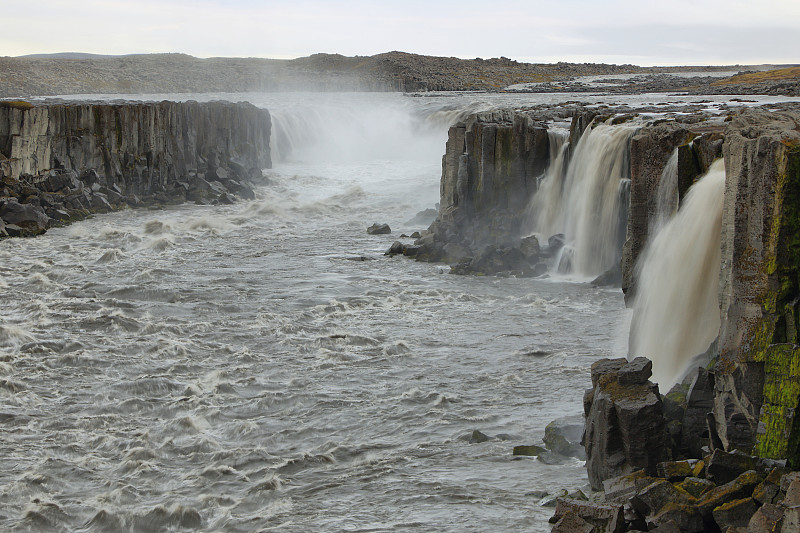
(757, 374)
(625, 429)
(749, 400)
(489, 172)
(697, 145)
(641, 488)
(61, 161)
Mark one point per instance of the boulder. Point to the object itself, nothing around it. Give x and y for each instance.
(685, 516)
(528, 450)
(572, 523)
(696, 486)
(57, 180)
(606, 518)
(768, 490)
(13, 212)
(723, 467)
(676, 470)
(620, 489)
(563, 436)
(477, 437)
(635, 372)
(741, 487)
(650, 500)
(792, 498)
(529, 246)
(606, 366)
(379, 229)
(395, 249)
(736, 513)
(767, 519)
(625, 427)
(551, 500)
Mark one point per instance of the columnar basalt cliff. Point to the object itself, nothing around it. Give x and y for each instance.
(695, 146)
(61, 161)
(748, 398)
(758, 377)
(490, 170)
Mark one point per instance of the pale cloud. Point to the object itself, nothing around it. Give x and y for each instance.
(620, 31)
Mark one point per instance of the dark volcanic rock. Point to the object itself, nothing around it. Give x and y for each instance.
(379, 229)
(607, 518)
(625, 427)
(563, 436)
(636, 372)
(724, 467)
(135, 153)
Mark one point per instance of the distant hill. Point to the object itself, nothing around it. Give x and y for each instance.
(66, 55)
(78, 73)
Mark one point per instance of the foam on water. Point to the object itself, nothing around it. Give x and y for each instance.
(226, 368)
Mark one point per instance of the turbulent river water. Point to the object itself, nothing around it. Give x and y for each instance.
(263, 366)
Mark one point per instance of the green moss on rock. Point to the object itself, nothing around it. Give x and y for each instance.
(775, 343)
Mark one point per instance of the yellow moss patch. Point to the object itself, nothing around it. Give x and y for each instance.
(16, 104)
(791, 73)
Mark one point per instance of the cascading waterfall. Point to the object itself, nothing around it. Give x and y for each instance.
(332, 130)
(543, 214)
(676, 309)
(584, 205)
(667, 194)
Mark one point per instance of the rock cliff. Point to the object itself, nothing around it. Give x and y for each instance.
(758, 377)
(61, 161)
(494, 159)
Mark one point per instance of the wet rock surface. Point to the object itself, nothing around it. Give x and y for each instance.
(60, 162)
(652, 483)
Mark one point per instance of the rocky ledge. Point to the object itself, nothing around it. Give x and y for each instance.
(658, 464)
(60, 162)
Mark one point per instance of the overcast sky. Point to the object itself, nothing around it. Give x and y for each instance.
(643, 32)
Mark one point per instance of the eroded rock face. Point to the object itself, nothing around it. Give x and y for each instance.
(757, 377)
(625, 427)
(695, 146)
(60, 161)
(489, 171)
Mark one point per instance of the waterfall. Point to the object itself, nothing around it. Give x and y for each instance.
(334, 128)
(584, 201)
(667, 194)
(676, 309)
(543, 213)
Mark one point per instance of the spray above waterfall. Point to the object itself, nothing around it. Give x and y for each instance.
(333, 128)
(676, 308)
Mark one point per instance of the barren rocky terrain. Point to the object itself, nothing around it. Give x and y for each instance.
(392, 71)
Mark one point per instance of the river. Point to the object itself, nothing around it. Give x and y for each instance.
(263, 366)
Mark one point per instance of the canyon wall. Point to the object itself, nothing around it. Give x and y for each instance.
(494, 162)
(60, 161)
